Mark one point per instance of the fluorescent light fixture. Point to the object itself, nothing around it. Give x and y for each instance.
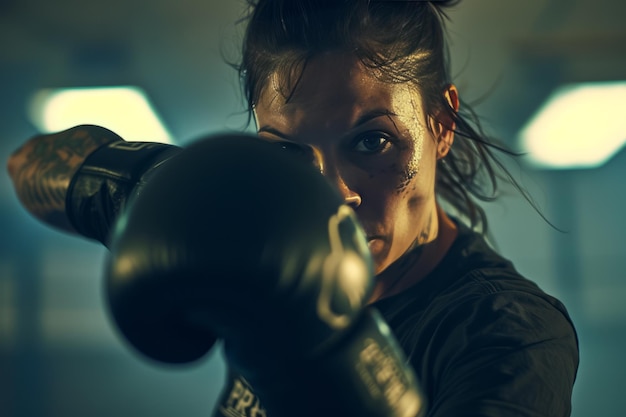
(126, 110)
(579, 126)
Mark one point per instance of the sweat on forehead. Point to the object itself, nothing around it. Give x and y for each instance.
(285, 80)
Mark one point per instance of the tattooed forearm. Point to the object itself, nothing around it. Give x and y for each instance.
(42, 169)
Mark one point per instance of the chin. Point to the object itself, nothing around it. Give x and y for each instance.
(380, 253)
(381, 263)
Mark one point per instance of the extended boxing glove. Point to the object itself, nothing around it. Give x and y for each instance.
(108, 178)
(236, 238)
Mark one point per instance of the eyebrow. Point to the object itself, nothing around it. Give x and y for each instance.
(364, 118)
(373, 114)
(273, 131)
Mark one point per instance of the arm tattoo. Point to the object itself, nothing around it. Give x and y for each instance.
(43, 177)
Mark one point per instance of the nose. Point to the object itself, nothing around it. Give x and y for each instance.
(352, 199)
(337, 172)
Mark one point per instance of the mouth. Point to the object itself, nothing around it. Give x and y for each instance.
(375, 244)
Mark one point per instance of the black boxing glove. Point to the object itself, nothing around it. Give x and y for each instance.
(107, 179)
(235, 238)
(238, 399)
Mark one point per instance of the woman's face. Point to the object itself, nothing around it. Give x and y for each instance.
(370, 138)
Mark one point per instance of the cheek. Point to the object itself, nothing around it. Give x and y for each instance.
(407, 178)
(407, 174)
(400, 177)
(395, 186)
(403, 178)
(414, 182)
(411, 165)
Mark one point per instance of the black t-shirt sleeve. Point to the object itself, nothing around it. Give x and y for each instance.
(499, 353)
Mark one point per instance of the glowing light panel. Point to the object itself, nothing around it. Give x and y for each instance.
(126, 110)
(579, 126)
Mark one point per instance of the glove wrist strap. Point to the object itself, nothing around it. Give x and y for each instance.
(106, 180)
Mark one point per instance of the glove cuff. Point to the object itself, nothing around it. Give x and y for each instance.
(366, 373)
(105, 181)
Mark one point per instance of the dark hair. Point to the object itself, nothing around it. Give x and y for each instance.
(405, 40)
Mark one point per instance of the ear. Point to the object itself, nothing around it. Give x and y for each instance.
(255, 117)
(445, 126)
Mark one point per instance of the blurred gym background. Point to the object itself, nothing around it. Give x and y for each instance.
(60, 356)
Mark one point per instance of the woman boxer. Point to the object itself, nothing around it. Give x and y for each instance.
(362, 90)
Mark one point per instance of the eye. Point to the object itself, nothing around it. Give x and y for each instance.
(373, 142)
(296, 150)
(291, 147)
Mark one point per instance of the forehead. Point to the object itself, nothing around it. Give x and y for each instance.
(333, 89)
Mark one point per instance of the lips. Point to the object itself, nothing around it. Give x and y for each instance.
(375, 244)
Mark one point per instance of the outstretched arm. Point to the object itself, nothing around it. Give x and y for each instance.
(42, 169)
(79, 180)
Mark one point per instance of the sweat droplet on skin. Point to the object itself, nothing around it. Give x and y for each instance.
(416, 130)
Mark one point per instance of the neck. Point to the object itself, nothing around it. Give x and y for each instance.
(417, 262)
